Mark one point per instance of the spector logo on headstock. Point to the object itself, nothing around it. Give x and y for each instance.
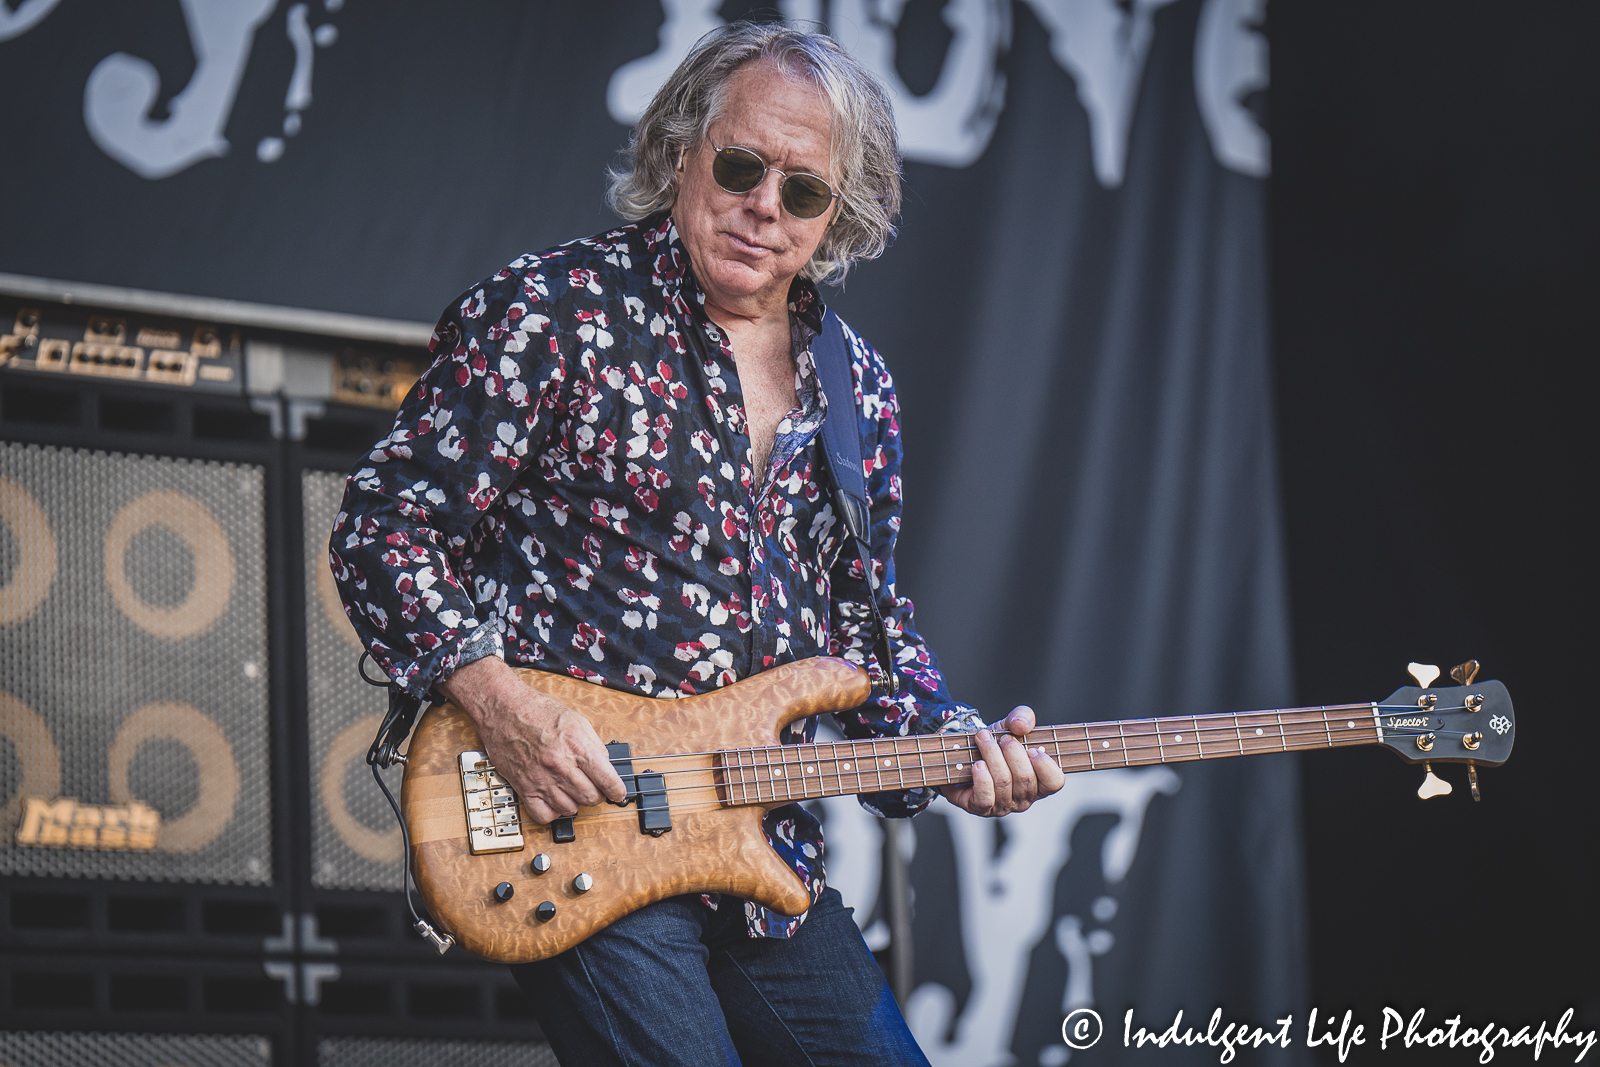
(1500, 724)
(1415, 720)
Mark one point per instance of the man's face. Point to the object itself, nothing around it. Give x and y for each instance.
(745, 247)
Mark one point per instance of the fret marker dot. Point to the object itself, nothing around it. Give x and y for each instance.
(846, 766)
(777, 772)
(887, 763)
(811, 770)
(1258, 731)
(1177, 737)
(1105, 744)
(1351, 725)
(960, 765)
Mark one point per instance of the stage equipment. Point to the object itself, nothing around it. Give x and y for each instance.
(172, 651)
(139, 673)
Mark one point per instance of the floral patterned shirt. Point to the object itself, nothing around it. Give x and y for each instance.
(569, 486)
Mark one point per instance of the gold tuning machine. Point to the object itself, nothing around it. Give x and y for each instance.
(1464, 673)
(1432, 785)
(1472, 776)
(1424, 673)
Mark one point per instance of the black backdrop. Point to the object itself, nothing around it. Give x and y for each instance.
(1434, 233)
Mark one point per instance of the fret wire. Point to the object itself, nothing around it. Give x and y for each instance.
(1283, 739)
(1238, 734)
(1123, 738)
(1088, 744)
(1327, 726)
(1199, 742)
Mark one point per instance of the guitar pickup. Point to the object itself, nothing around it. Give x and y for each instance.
(655, 816)
(647, 788)
(494, 822)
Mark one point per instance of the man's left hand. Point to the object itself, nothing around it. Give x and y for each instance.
(1009, 776)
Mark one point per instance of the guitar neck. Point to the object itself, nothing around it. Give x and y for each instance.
(779, 773)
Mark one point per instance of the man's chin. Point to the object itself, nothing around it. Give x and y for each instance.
(739, 278)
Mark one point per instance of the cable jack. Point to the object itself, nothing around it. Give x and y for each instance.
(440, 942)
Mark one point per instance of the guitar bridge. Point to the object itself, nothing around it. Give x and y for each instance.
(494, 823)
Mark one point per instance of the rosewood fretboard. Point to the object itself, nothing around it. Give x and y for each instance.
(779, 773)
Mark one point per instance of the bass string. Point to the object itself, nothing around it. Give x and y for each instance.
(785, 785)
(811, 752)
(1233, 720)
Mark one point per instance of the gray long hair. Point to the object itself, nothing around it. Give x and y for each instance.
(865, 154)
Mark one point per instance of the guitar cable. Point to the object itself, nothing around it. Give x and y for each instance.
(383, 754)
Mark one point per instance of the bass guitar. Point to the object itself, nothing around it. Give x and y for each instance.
(702, 771)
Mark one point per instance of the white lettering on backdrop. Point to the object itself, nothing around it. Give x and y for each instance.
(122, 89)
(26, 15)
(1103, 44)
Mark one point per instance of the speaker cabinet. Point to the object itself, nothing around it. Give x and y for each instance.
(355, 840)
(56, 1049)
(133, 653)
(381, 1052)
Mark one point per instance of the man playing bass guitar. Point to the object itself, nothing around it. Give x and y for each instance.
(614, 470)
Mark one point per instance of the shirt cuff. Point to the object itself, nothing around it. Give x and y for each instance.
(481, 643)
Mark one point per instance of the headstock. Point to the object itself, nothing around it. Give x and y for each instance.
(1469, 723)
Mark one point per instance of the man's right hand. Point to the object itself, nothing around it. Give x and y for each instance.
(547, 751)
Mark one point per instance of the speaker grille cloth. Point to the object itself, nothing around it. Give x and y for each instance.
(375, 1052)
(355, 842)
(133, 658)
(133, 1050)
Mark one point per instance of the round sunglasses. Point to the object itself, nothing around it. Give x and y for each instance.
(739, 170)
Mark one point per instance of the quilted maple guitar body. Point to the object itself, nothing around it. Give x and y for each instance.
(711, 847)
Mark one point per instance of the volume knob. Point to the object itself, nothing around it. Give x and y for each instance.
(583, 883)
(504, 892)
(545, 911)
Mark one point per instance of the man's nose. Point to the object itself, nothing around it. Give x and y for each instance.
(764, 199)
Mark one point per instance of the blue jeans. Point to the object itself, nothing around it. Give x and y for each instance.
(678, 983)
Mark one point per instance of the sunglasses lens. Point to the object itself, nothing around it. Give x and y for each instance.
(806, 196)
(737, 170)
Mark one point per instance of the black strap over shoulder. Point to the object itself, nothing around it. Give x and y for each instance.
(841, 441)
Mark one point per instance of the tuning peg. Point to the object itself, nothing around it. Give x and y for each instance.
(1464, 673)
(1432, 785)
(1424, 673)
(1472, 776)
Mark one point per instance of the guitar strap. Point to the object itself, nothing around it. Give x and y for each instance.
(841, 442)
